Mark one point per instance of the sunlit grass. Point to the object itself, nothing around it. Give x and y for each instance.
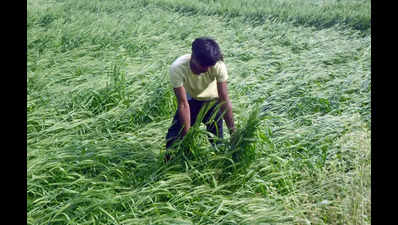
(99, 106)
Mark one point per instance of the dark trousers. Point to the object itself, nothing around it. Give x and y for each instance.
(215, 126)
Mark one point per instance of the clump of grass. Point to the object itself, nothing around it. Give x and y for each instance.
(241, 143)
(159, 103)
(104, 99)
(194, 144)
(223, 161)
(96, 132)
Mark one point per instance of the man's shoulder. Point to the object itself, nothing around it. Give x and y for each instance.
(180, 61)
(220, 64)
(219, 67)
(178, 70)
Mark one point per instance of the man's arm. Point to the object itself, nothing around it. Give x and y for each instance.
(184, 115)
(226, 106)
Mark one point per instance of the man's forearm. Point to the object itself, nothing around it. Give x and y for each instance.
(184, 117)
(228, 116)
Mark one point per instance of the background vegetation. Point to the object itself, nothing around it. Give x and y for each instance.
(99, 104)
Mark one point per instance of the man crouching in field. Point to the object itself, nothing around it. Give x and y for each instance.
(198, 79)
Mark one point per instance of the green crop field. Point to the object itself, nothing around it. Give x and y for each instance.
(99, 103)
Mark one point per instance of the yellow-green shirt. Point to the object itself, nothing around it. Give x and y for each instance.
(200, 87)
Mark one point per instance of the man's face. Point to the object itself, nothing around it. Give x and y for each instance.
(196, 67)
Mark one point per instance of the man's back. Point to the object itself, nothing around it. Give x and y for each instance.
(202, 86)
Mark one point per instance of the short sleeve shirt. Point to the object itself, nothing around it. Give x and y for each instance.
(199, 86)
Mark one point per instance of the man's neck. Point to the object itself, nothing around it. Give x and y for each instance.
(192, 67)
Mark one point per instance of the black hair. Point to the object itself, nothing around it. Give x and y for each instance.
(206, 51)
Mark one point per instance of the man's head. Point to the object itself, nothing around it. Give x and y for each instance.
(205, 53)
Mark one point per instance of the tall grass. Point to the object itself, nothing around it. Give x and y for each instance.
(317, 13)
(99, 106)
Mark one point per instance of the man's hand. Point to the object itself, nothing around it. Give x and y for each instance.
(232, 130)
